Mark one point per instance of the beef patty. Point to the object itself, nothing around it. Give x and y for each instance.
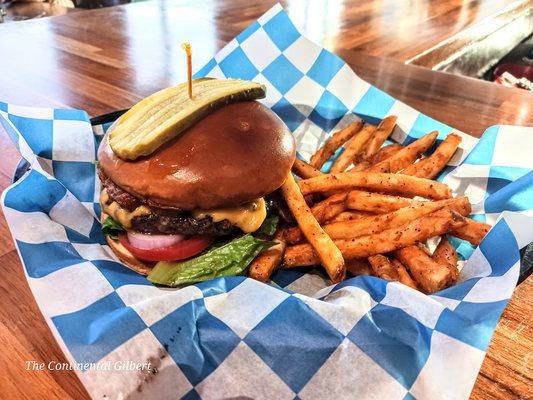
(163, 221)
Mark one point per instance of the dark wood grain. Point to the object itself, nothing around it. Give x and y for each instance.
(104, 60)
(519, 12)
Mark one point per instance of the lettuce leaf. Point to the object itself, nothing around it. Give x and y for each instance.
(229, 259)
(269, 226)
(111, 228)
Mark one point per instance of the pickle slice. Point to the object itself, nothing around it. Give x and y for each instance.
(163, 115)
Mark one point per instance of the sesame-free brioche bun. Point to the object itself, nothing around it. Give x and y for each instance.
(239, 153)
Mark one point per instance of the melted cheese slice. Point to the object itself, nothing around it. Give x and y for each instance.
(120, 214)
(248, 217)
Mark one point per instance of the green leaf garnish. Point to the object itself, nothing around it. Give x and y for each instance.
(269, 226)
(111, 228)
(229, 259)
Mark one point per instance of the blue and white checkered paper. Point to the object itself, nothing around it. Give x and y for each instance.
(294, 338)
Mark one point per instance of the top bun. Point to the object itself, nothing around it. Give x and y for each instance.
(237, 154)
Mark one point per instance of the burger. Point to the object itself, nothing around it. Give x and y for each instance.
(203, 188)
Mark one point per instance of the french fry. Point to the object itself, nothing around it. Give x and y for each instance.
(472, 231)
(333, 143)
(385, 153)
(361, 166)
(328, 253)
(353, 148)
(408, 186)
(294, 234)
(435, 224)
(403, 275)
(349, 216)
(322, 211)
(383, 268)
(430, 166)
(328, 208)
(376, 202)
(383, 131)
(358, 266)
(304, 170)
(268, 261)
(429, 275)
(407, 155)
(377, 223)
(445, 254)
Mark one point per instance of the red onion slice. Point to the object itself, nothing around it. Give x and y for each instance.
(148, 242)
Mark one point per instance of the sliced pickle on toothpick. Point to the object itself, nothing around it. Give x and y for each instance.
(164, 115)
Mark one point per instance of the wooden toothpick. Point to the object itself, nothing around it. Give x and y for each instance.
(188, 51)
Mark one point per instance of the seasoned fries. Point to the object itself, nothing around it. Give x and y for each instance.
(385, 153)
(375, 216)
(353, 149)
(472, 231)
(435, 224)
(304, 170)
(429, 275)
(376, 202)
(268, 261)
(383, 268)
(403, 275)
(329, 207)
(407, 155)
(405, 185)
(358, 266)
(430, 166)
(349, 216)
(374, 224)
(328, 253)
(369, 224)
(333, 143)
(383, 131)
(445, 254)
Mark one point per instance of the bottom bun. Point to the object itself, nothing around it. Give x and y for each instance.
(123, 254)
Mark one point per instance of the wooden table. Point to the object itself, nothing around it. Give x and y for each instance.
(104, 60)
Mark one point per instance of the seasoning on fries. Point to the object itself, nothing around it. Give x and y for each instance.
(369, 224)
(327, 251)
(435, 224)
(376, 202)
(430, 166)
(332, 144)
(383, 131)
(408, 186)
(445, 254)
(267, 262)
(304, 170)
(408, 155)
(472, 231)
(383, 268)
(374, 218)
(429, 275)
(353, 149)
(385, 152)
(403, 275)
(358, 266)
(329, 207)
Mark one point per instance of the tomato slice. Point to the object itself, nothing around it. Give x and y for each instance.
(179, 251)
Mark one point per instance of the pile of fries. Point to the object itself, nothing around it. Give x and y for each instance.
(375, 210)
